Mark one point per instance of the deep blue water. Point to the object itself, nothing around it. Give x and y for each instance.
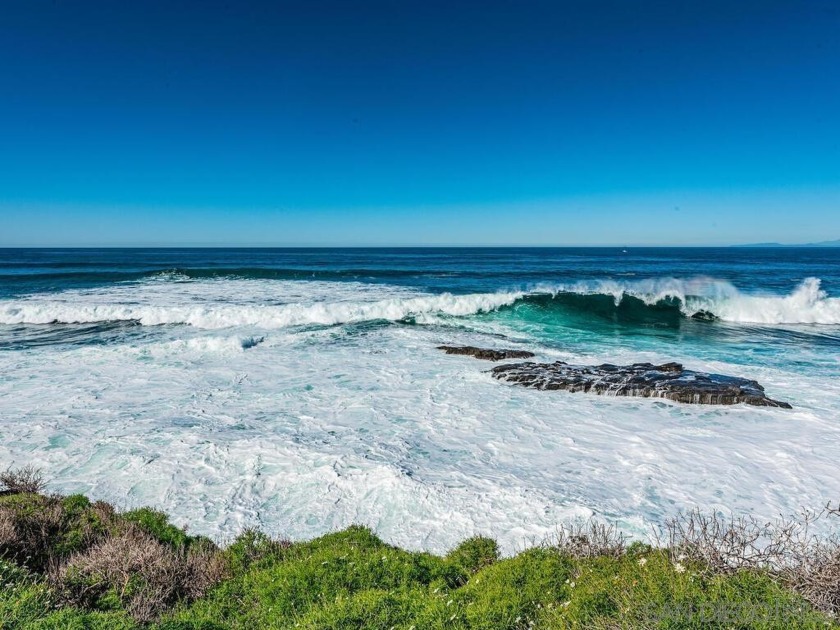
(572, 295)
(777, 270)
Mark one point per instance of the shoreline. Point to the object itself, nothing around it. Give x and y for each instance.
(65, 560)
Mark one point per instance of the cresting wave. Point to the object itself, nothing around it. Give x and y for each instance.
(707, 298)
(216, 315)
(663, 300)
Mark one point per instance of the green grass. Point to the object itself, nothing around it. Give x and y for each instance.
(157, 524)
(351, 579)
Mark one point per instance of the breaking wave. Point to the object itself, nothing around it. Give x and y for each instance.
(216, 315)
(663, 301)
(698, 298)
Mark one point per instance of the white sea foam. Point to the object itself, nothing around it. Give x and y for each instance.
(807, 304)
(227, 303)
(315, 429)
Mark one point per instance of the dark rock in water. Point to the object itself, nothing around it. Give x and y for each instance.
(487, 355)
(251, 342)
(670, 381)
(705, 316)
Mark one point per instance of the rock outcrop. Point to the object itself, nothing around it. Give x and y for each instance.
(486, 354)
(670, 381)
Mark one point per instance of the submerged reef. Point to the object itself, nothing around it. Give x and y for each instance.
(670, 381)
(486, 354)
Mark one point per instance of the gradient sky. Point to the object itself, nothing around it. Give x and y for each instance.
(388, 123)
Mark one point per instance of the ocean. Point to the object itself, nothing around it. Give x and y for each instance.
(301, 390)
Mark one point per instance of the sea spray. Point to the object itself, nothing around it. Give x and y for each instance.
(706, 298)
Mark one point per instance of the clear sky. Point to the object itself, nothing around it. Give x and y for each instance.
(402, 122)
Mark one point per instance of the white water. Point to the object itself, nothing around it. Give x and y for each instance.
(313, 430)
(226, 303)
(808, 304)
(278, 304)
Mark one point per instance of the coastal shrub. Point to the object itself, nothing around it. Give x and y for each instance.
(37, 531)
(309, 575)
(817, 577)
(344, 563)
(190, 625)
(511, 593)
(10, 573)
(74, 619)
(205, 567)
(252, 547)
(653, 591)
(22, 603)
(589, 539)
(787, 549)
(25, 480)
(68, 563)
(83, 524)
(30, 527)
(134, 571)
(474, 553)
(8, 532)
(157, 525)
(27, 602)
(372, 608)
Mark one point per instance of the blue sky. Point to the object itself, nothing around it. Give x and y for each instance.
(388, 123)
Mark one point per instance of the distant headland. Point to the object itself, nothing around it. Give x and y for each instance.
(820, 244)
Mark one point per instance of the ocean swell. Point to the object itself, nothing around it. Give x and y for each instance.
(211, 304)
(665, 299)
(218, 315)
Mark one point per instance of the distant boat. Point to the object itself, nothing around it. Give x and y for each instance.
(623, 251)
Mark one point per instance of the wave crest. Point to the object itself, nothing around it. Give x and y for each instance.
(216, 315)
(707, 298)
(216, 305)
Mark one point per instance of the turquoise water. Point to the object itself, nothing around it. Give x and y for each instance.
(301, 390)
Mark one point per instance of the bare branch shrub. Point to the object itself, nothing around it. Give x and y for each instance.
(817, 578)
(27, 479)
(104, 513)
(205, 567)
(146, 575)
(26, 534)
(253, 546)
(788, 549)
(8, 533)
(589, 539)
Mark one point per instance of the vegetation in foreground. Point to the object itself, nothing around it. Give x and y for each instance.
(68, 563)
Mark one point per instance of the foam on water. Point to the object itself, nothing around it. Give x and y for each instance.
(228, 303)
(314, 429)
(222, 303)
(807, 304)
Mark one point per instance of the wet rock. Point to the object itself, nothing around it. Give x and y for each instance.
(251, 342)
(670, 381)
(705, 316)
(486, 354)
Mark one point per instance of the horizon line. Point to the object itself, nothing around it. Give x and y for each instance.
(430, 246)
